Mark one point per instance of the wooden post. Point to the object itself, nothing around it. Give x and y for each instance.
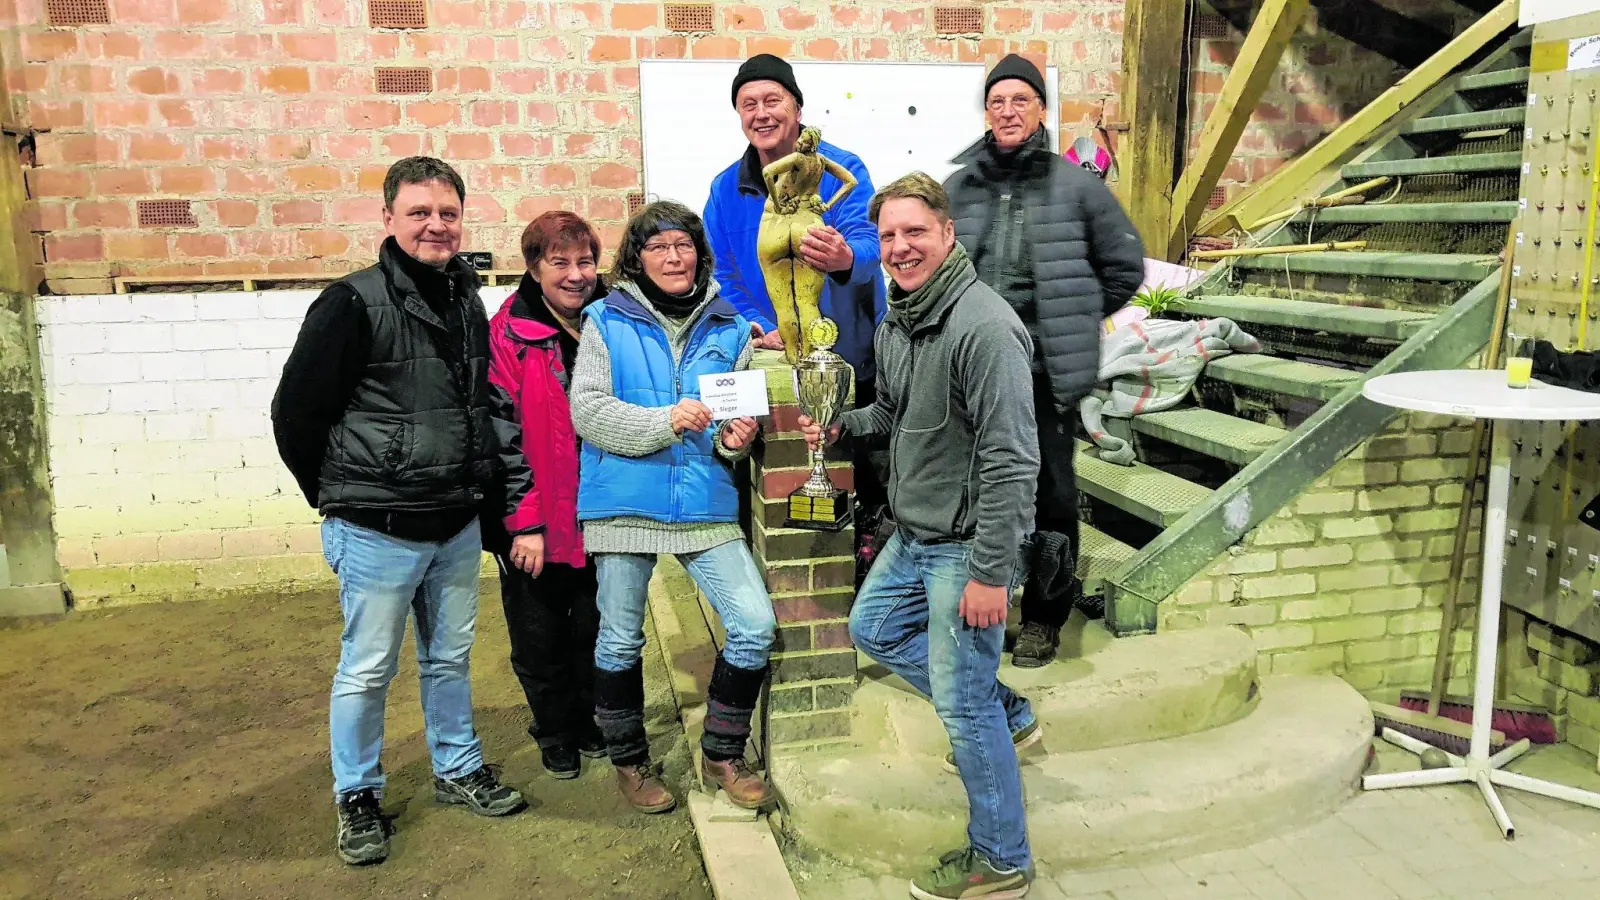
(1247, 81)
(1152, 82)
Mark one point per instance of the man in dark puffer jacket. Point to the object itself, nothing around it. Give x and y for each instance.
(383, 418)
(1051, 240)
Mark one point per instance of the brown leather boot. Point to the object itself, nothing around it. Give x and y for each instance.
(643, 788)
(744, 787)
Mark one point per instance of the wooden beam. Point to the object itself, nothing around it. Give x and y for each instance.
(1292, 180)
(1247, 81)
(1152, 84)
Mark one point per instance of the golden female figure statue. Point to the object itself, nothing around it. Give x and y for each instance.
(793, 208)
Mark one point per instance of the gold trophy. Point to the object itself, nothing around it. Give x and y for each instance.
(822, 381)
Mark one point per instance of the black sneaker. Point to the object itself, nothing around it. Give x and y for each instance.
(363, 831)
(480, 792)
(592, 745)
(1036, 645)
(561, 761)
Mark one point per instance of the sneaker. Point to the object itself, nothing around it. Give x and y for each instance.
(643, 788)
(963, 874)
(1036, 645)
(363, 831)
(481, 792)
(592, 745)
(561, 761)
(1021, 739)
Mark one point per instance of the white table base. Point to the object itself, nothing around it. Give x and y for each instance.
(1478, 767)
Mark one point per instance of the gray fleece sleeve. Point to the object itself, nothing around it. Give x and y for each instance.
(604, 421)
(993, 368)
(742, 363)
(877, 419)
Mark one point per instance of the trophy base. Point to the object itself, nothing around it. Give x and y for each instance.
(831, 513)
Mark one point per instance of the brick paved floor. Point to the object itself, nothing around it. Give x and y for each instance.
(1435, 842)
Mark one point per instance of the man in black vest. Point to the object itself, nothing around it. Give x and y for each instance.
(1052, 240)
(382, 416)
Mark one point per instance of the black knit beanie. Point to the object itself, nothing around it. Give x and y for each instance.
(1015, 66)
(766, 67)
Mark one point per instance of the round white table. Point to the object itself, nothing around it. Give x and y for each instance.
(1483, 394)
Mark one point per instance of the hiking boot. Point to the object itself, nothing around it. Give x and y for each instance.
(1036, 645)
(963, 874)
(592, 745)
(481, 792)
(643, 788)
(1021, 739)
(745, 789)
(561, 761)
(363, 832)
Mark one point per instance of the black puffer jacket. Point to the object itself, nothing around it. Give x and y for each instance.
(1082, 256)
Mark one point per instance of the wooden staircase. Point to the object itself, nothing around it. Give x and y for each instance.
(1262, 427)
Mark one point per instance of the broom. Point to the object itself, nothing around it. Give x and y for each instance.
(1511, 722)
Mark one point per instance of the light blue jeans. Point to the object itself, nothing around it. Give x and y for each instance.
(907, 617)
(382, 580)
(728, 576)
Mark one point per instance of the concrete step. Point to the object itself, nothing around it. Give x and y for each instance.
(1101, 691)
(1434, 165)
(1281, 376)
(1496, 79)
(1473, 121)
(1306, 315)
(1378, 214)
(1388, 264)
(1293, 760)
(1207, 431)
(1099, 554)
(1158, 497)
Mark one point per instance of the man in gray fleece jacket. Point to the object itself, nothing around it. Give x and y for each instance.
(955, 401)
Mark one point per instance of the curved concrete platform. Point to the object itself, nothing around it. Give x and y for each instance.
(1117, 692)
(1297, 756)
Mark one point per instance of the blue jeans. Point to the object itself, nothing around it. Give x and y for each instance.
(728, 576)
(382, 579)
(907, 617)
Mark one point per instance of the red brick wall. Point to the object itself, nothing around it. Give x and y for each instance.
(265, 114)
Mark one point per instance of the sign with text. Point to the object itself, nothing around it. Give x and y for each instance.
(730, 395)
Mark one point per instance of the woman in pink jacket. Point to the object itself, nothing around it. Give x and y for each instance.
(547, 582)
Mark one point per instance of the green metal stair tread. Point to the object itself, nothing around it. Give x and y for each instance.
(1282, 376)
(1489, 118)
(1210, 432)
(1099, 554)
(1500, 78)
(1371, 213)
(1387, 264)
(1360, 321)
(1434, 165)
(1155, 496)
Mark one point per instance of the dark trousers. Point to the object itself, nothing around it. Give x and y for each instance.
(1048, 594)
(553, 622)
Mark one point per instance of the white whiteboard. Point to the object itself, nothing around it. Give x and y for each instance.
(1535, 11)
(691, 130)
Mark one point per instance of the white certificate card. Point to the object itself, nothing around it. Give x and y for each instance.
(731, 395)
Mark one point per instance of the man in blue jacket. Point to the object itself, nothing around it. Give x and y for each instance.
(768, 102)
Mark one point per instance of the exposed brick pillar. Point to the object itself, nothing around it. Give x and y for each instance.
(810, 575)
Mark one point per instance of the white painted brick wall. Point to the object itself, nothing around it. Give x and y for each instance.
(159, 426)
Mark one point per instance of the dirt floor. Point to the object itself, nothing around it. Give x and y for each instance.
(180, 751)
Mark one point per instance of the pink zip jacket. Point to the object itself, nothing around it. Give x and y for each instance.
(529, 382)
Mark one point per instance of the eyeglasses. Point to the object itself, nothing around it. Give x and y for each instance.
(1020, 104)
(684, 248)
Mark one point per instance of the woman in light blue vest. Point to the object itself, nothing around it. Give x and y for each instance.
(656, 476)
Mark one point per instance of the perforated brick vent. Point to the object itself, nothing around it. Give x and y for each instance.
(1219, 196)
(957, 19)
(166, 214)
(76, 12)
(397, 13)
(635, 203)
(1210, 27)
(406, 80)
(689, 17)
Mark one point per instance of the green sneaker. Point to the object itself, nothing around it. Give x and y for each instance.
(1021, 739)
(963, 874)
